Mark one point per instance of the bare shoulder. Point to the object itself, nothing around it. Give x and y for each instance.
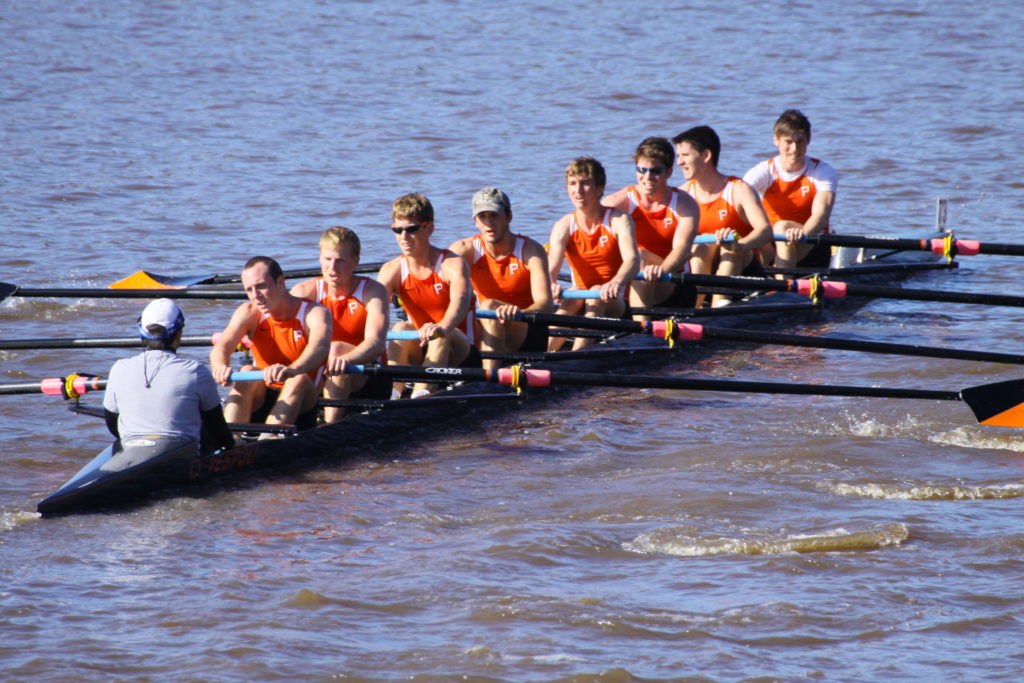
(305, 289)
(374, 290)
(617, 200)
(462, 247)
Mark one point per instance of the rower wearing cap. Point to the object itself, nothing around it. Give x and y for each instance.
(290, 339)
(665, 220)
(433, 286)
(159, 393)
(797, 191)
(729, 210)
(359, 312)
(598, 242)
(509, 274)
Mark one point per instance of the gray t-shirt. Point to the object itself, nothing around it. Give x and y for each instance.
(158, 392)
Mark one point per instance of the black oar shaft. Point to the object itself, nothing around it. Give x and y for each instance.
(556, 377)
(101, 293)
(90, 343)
(761, 337)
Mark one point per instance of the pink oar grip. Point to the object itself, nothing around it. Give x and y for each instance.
(832, 290)
(687, 331)
(52, 386)
(534, 378)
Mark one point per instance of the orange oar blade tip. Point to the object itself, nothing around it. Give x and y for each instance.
(143, 280)
(146, 280)
(1000, 404)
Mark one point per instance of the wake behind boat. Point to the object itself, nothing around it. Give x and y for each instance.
(145, 467)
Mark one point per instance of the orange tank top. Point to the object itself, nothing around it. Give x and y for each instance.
(654, 229)
(790, 200)
(282, 341)
(593, 257)
(426, 300)
(720, 212)
(506, 278)
(348, 312)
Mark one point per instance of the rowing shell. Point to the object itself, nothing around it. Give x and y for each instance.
(362, 435)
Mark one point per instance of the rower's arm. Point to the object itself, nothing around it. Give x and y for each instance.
(556, 253)
(375, 335)
(455, 271)
(625, 232)
(318, 329)
(686, 231)
(241, 323)
(821, 211)
(750, 210)
(388, 275)
(540, 280)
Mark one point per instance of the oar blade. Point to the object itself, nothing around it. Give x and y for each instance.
(6, 289)
(143, 279)
(1000, 404)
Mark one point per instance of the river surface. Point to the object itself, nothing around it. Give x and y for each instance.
(611, 536)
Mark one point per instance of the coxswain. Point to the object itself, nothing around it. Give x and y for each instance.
(797, 192)
(433, 286)
(159, 393)
(599, 243)
(290, 338)
(665, 219)
(359, 314)
(509, 274)
(729, 209)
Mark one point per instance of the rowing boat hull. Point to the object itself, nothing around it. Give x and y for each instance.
(122, 472)
(367, 434)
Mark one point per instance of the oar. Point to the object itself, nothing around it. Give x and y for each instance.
(144, 279)
(832, 289)
(7, 289)
(675, 330)
(1000, 404)
(132, 342)
(75, 385)
(941, 246)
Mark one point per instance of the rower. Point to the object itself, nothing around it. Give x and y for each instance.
(509, 274)
(359, 311)
(729, 210)
(798, 192)
(433, 286)
(665, 220)
(290, 340)
(599, 243)
(159, 393)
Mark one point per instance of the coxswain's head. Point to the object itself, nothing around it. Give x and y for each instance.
(161, 324)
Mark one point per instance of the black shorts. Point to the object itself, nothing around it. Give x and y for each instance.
(684, 295)
(820, 256)
(536, 339)
(306, 420)
(754, 268)
(376, 388)
(473, 360)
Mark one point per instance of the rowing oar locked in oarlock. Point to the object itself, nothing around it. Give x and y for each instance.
(815, 288)
(1000, 404)
(672, 331)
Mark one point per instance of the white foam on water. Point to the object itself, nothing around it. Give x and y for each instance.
(836, 540)
(934, 492)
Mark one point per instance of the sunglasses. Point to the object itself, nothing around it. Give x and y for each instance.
(399, 229)
(653, 170)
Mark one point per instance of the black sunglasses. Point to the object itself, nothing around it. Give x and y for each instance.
(653, 170)
(399, 229)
